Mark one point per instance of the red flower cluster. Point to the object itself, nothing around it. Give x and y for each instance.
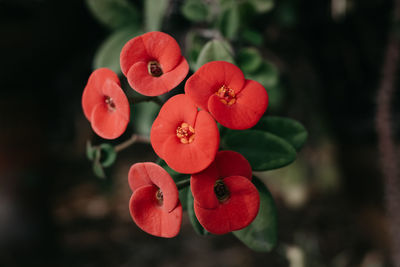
(153, 63)
(184, 134)
(154, 204)
(225, 200)
(105, 104)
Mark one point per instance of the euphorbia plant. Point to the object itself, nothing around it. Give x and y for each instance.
(209, 138)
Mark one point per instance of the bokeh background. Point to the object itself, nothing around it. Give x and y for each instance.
(55, 212)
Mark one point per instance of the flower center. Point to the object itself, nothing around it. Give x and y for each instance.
(221, 191)
(154, 69)
(109, 102)
(226, 95)
(185, 133)
(159, 197)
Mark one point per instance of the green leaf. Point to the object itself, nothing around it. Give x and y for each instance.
(144, 114)
(262, 234)
(154, 14)
(215, 50)
(98, 169)
(249, 59)
(253, 37)
(290, 130)
(194, 43)
(262, 6)
(107, 55)
(195, 10)
(90, 150)
(267, 74)
(264, 151)
(108, 155)
(192, 216)
(114, 13)
(230, 21)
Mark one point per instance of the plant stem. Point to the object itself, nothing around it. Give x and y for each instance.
(385, 138)
(182, 184)
(134, 139)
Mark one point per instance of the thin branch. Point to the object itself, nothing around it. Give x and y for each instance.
(134, 139)
(385, 138)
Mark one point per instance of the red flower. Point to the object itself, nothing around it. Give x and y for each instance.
(153, 63)
(225, 200)
(105, 104)
(154, 205)
(220, 88)
(187, 139)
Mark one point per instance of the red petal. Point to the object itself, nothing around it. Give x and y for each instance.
(151, 46)
(141, 81)
(231, 163)
(209, 78)
(163, 48)
(176, 110)
(250, 105)
(119, 98)
(150, 217)
(132, 52)
(108, 124)
(202, 186)
(196, 156)
(92, 93)
(149, 173)
(235, 213)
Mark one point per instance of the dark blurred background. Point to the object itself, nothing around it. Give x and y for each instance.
(55, 212)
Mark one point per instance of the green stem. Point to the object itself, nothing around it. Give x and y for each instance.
(182, 184)
(134, 139)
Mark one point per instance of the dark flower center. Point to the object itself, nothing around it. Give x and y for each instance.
(109, 102)
(221, 191)
(159, 197)
(226, 95)
(154, 69)
(185, 133)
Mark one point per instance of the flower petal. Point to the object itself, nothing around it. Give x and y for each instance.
(92, 93)
(118, 97)
(202, 186)
(150, 217)
(196, 156)
(150, 46)
(163, 48)
(173, 113)
(250, 105)
(149, 173)
(235, 213)
(141, 81)
(209, 78)
(108, 124)
(231, 163)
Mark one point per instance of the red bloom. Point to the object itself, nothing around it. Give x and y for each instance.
(187, 139)
(153, 63)
(225, 200)
(220, 88)
(105, 104)
(154, 204)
